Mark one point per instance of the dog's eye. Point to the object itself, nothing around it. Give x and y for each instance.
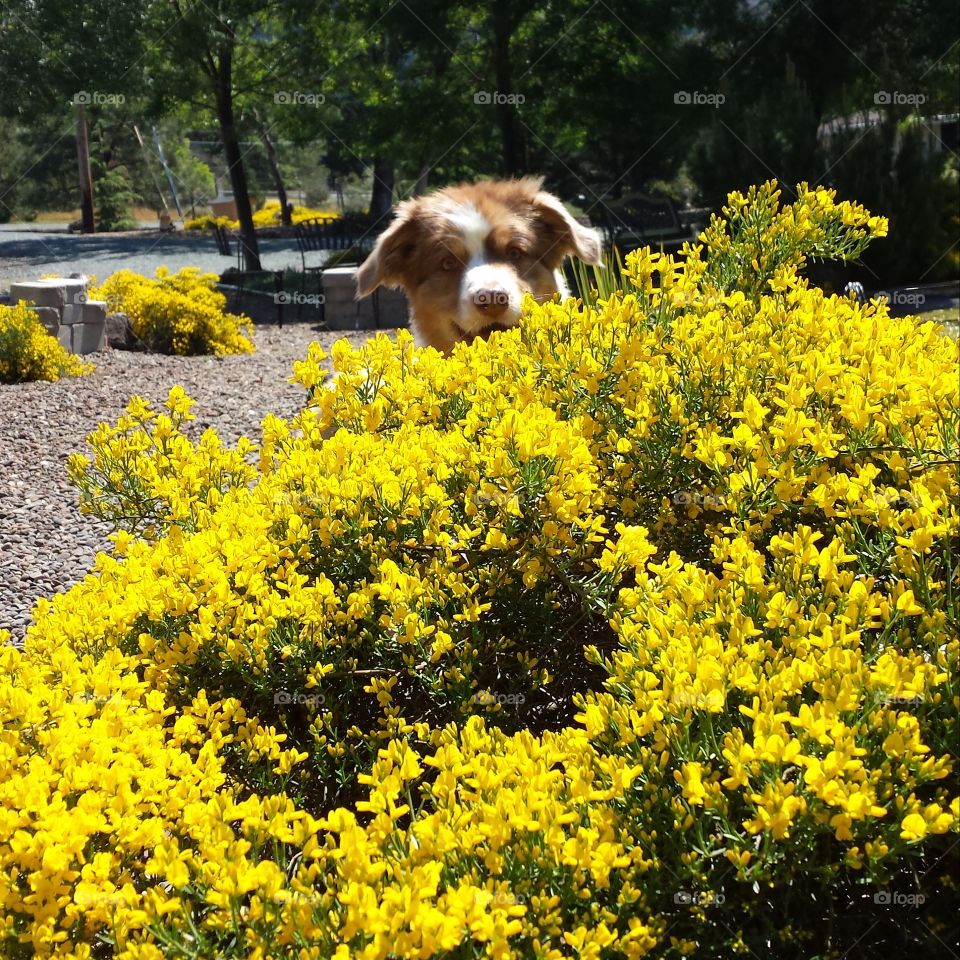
(515, 253)
(449, 263)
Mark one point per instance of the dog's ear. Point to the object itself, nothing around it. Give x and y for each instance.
(391, 254)
(568, 236)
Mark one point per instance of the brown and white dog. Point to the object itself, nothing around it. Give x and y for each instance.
(466, 255)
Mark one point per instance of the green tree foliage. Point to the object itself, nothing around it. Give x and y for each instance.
(55, 55)
(841, 94)
(116, 197)
(221, 57)
(598, 97)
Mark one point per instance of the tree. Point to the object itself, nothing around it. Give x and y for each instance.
(220, 56)
(788, 69)
(57, 56)
(408, 62)
(840, 94)
(578, 92)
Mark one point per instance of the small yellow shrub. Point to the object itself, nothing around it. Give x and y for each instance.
(177, 313)
(28, 352)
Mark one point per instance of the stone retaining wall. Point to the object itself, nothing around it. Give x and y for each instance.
(385, 309)
(80, 324)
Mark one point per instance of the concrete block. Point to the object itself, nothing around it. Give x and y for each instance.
(365, 317)
(50, 318)
(339, 300)
(394, 308)
(385, 308)
(42, 293)
(89, 337)
(348, 314)
(94, 311)
(74, 289)
(339, 316)
(338, 289)
(337, 277)
(84, 311)
(72, 313)
(65, 336)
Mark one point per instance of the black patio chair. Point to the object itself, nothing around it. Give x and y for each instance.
(330, 234)
(637, 221)
(223, 238)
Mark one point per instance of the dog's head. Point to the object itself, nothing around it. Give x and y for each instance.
(466, 255)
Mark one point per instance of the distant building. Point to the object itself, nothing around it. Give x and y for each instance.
(941, 130)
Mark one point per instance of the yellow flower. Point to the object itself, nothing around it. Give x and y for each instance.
(913, 827)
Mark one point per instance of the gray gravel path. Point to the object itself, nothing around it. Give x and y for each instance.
(46, 544)
(25, 253)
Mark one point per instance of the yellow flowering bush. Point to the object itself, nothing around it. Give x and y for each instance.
(267, 216)
(28, 352)
(179, 312)
(632, 632)
(206, 221)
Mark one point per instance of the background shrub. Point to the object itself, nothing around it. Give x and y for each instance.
(177, 313)
(205, 221)
(116, 198)
(28, 352)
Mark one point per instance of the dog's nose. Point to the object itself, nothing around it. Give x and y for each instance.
(491, 302)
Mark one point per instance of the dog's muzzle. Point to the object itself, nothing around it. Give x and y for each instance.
(491, 303)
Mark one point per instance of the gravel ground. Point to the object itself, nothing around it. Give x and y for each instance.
(46, 545)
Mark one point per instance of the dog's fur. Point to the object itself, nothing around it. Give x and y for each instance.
(466, 255)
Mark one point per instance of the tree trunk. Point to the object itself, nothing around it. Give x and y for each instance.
(381, 197)
(420, 186)
(274, 169)
(83, 162)
(503, 27)
(234, 158)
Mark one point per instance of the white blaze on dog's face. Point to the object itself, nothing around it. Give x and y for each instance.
(465, 256)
